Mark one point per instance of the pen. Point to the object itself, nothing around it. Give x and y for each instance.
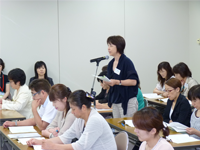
(122, 124)
(57, 131)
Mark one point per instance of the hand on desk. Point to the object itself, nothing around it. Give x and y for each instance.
(191, 131)
(34, 142)
(8, 124)
(55, 131)
(47, 144)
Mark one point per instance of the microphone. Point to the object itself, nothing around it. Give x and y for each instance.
(99, 59)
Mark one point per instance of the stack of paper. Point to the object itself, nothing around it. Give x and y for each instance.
(37, 147)
(104, 78)
(178, 127)
(152, 96)
(22, 129)
(24, 140)
(129, 123)
(181, 138)
(24, 135)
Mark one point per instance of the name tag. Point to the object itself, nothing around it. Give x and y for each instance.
(117, 71)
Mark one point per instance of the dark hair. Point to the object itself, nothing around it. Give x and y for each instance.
(104, 68)
(2, 64)
(173, 82)
(148, 118)
(164, 65)
(40, 84)
(118, 41)
(39, 64)
(79, 98)
(104, 73)
(182, 69)
(17, 75)
(60, 91)
(194, 92)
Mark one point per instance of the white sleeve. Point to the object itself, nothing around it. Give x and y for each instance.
(18, 104)
(159, 87)
(49, 113)
(70, 134)
(92, 132)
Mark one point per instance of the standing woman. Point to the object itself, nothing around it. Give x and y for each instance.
(183, 73)
(4, 83)
(148, 123)
(90, 128)
(41, 72)
(123, 80)
(178, 108)
(164, 73)
(59, 95)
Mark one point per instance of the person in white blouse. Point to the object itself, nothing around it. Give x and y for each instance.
(43, 117)
(59, 95)
(22, 97)
(148, 123)
(164, 73)
(90, 128)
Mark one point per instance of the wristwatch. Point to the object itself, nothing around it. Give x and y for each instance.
(120, 83)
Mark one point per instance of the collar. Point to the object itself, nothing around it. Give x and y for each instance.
(46, 102)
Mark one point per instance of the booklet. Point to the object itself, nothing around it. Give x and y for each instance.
(104, 78)
(178, 127)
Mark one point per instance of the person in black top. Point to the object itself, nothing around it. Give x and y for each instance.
(4, 83)
(124, 80)
(41, 72)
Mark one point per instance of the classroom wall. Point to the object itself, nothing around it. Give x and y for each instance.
(67, 34)
(194, 34)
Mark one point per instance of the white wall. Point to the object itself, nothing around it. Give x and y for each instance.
(67, 34)
(194, 34)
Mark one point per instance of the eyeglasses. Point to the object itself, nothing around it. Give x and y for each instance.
(168, 91)
(33, 94)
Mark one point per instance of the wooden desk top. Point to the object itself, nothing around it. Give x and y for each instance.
(10, 115)
(155, 101)
(6, 131)
(130, 130)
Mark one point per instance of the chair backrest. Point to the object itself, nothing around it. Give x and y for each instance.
(122, 140)
(145, 103)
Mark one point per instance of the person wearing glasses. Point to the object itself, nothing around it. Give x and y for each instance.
(178, 108)
(22, 99)
(43, 117)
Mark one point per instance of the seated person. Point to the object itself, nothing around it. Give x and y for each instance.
(194, 96)
(183, 73)
(22, 97)
(148, 123)
(90, 128)
(41, 72)
(164, 73)
(59, 95)
(140, 98)
(4, 83)
(178, 108)
(44, 116)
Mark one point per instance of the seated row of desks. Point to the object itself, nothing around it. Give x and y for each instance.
(114, 123)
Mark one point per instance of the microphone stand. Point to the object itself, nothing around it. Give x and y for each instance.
(93, 92)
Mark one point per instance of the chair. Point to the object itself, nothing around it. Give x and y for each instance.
(145, 103)
(122, 140)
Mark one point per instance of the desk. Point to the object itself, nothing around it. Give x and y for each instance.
(8, 115)
(13, 142)
(133, 137)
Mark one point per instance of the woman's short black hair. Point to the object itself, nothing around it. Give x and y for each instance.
(39, 64)
(194, 92)
(182, 69)
(17, 75)
(118, 41)
(104, 73)
(2, 64)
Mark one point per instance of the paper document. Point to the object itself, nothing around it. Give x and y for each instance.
(37, 147)
(178, 127)
(99, 110)
(104, 78)
(24, 135)
(181, 138)
(152, 96)
(24, 140)
(22, 129)
(129, 123)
